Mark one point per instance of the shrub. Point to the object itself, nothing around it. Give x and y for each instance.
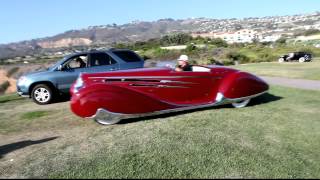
(281, 41)
(236, 56)
(218, 42)
(266, 57)
(190, 49)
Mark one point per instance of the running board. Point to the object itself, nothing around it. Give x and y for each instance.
(106, 117)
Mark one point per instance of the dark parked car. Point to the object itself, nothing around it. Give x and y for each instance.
(44, 86)
(296, 56)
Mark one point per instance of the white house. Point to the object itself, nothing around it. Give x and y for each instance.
(241, 36)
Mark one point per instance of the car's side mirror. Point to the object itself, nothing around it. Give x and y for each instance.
(60, 68)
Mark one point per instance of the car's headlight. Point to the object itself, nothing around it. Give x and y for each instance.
(78, 85)
(23, 80)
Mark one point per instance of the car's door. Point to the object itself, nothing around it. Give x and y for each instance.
(101, 62)
(181, 87)
(190, 87)
(70, 71)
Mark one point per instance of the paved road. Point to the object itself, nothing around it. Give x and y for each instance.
(295, 83)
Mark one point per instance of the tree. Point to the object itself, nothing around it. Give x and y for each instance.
(175, 39)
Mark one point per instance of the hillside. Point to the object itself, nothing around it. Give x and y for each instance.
(105, 35)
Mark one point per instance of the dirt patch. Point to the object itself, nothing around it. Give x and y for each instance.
(10, 74)
(11, 88)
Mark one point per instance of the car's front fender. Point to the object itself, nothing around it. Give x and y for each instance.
(241, 84)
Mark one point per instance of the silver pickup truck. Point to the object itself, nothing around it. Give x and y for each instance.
(45, 86)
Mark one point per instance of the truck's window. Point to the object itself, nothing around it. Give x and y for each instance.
(101, 59)
(77, 62)
(127, 56)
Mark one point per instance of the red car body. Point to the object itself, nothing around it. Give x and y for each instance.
(111, 96)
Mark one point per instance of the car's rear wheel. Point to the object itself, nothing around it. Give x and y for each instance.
(281, 60)
(302, 59)
(42, 94)
(241, 104)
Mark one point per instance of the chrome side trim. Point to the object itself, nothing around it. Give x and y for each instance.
(106, 117)
(156, 86)
(149, 77)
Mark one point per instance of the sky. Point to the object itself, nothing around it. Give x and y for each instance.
(29, 19)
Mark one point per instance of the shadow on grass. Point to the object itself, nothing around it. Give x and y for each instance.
(62, 98)
(263, 99)
(5, 149)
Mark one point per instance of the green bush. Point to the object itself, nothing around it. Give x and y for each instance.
(191, 49)
(236, 56)
(266, 57)
(218, 42)
(281, 41)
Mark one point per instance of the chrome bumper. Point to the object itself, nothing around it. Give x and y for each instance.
(23, 94)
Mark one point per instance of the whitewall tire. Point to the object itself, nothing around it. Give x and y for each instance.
(302, 59)
(281, 60)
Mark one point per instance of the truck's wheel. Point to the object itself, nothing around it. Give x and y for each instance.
(42, 94)
(302, 59)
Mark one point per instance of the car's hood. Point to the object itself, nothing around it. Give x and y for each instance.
(36, 73)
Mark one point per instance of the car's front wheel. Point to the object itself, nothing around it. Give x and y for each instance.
(42, 94)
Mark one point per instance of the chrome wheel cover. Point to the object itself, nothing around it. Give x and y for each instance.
(107, 121)
(42, 95)
(241, 104)
(105, 117)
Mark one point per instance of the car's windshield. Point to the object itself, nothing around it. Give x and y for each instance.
(54, 65)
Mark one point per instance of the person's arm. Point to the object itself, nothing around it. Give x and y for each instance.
(178, 69)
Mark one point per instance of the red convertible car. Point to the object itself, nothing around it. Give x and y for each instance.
(112, 96)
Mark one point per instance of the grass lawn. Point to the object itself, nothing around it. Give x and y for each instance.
(278, 136)
(298, 70)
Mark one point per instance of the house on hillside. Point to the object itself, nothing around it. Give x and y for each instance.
(241, 36)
